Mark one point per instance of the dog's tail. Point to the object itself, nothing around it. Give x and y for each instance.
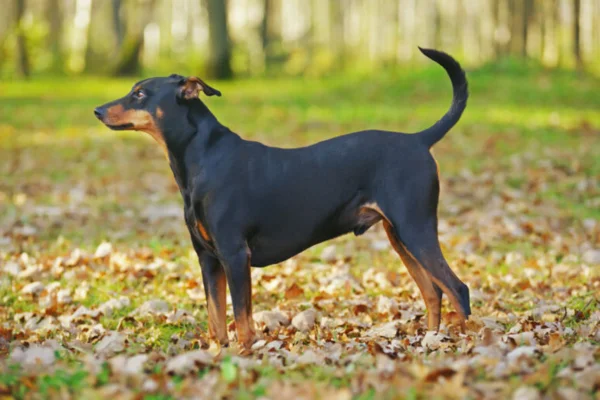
(433, 134)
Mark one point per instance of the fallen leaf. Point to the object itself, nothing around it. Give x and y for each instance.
(33, 357)
(293, 291)
(271, 320)
(190, 361)
(33, 288)
(433, 340)
(305, 320)
(103, 250)
(526, 393)
(113, 342)
(388, 330)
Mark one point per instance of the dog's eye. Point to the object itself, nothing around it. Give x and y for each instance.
(139, 94)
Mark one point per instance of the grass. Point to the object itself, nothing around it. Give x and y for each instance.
(525, 153)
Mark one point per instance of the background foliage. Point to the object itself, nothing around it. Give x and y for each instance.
(293, 37)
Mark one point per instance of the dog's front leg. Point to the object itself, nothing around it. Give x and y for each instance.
(236, 263)
(215, 288)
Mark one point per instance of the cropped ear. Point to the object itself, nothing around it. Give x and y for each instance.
(191, 87)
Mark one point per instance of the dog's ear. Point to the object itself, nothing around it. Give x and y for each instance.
(190, 88)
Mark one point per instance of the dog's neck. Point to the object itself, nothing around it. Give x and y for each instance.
(201, 132)
(199, 121)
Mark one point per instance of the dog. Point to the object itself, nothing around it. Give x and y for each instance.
(247, 204)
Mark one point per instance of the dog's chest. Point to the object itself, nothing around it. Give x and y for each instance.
(195, 217)
(198, 227)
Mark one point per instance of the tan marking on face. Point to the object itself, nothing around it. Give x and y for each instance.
(141, 120)
(159, 112)
(138, 87)
(202, 231)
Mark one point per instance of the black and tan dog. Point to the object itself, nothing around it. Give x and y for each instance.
(248, 204)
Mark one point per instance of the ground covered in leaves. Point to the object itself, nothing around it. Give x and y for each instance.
(101, 295)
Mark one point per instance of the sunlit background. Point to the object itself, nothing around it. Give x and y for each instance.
(292, 37)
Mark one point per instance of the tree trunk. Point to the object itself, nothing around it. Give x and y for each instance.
(437, 25)
(577, 34)
(542, 21)
(336, 34)
(129, 59)
(498, 48)
(264, 26)
(526, 19)
(23, 67)
(55, 22)
(557, 34)
(128, 62)
(218, 65)
(93, 60)
(118, 25)
(514, 16)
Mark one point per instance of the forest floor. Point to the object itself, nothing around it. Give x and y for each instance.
(101, 294)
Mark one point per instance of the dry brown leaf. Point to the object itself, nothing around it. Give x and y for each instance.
(293, 291)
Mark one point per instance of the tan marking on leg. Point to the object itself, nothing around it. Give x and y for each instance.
(430, 296)
(244, 323)
(203, 231)
(451, 295)
(453, 299)
(375, 207)
(217, 308)
(418, 273)
(245, 330)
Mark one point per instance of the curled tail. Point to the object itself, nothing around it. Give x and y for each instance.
(433, 134)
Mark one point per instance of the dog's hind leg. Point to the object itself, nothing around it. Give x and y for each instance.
(432, 294)
(416, 231)
(412, 220)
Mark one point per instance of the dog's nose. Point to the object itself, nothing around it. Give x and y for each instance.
(98, 112)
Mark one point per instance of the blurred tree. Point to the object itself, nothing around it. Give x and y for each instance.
(577, 34)
(517, 29)
(526, 15)
(54, 39)
(128, 60)
(288, 36)
(499, 8)
(90, 51)
(336, 34)
(218, 65)
(437, 24)
(265, 28)
(6, 19)
(118, 24)
(23, 67)
(557, 34)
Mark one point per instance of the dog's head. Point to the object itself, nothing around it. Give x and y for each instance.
(154, 103)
